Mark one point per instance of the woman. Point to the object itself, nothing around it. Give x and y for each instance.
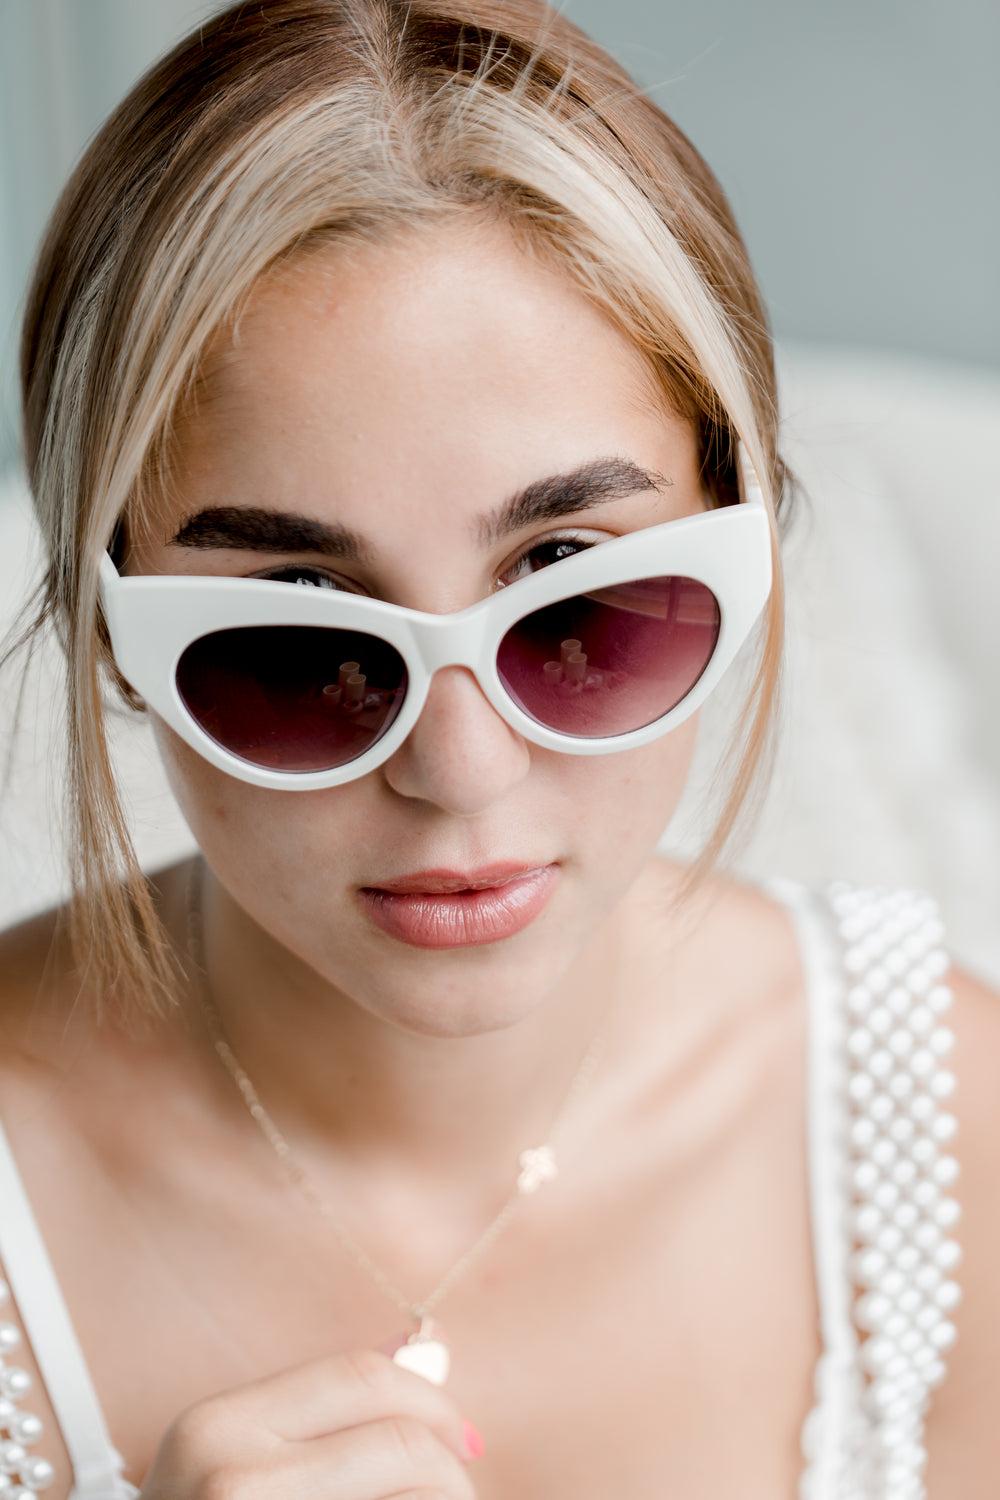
(553, 1192)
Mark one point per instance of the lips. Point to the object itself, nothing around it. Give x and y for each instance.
(453, 909)
(437, 882)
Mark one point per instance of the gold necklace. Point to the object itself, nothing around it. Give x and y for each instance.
(425, 1351)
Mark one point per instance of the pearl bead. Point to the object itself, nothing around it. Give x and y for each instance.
(881, 1064)
(860, 1042)
(8, 1411)
(884, 1152)
(903, 1172)
(38, 1474)
(928, 1317)
(895, 964)
(939, 999)
(12, 1456)
(14, 1382)
(867, 1220)
(868, 1266)
(878, 980)
(909, 1300)
(859, 999)
(883, 1392)
(937, 963)
(876, 1354)
(900, 1086)
(901, 1043)
(908, 1258)
(943, 1129)
(928, 1278)
(881, 1108)
(896, 1324)
(922, 1109)
(886, 1196)
(926, 1195)
(942, 1335)
(921, 1020)
(865, 1176)
(863, 1133)
(905, 1215)
(26, 1428)
(948, 1254)
(946, 1213)
(948, 1296)
(945, 1171)
(880, 1020)
(941, 1041)
(942, 1085)
(918, 981)
(872, 1310)
(910, 1343)
(889, 1239)
(10, 1337)
(922, 1063)
(861, 1088)
(934, 1373)
(902, 1130)
(898, 1000)
(924, 1151)
(927, 1236)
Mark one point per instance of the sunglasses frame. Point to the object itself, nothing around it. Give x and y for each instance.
(153, 618)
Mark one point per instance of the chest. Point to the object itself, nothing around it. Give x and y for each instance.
(605, 1346)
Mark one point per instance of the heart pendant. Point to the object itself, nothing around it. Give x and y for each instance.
(427, 1357)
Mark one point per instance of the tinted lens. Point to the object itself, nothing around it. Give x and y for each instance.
(292, 697)
(612, 661)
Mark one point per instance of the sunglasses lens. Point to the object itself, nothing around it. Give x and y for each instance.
(612, 661)
(291, 697)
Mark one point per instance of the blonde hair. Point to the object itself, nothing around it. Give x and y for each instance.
(288, 120)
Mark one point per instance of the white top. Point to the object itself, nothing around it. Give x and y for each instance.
(873, 968)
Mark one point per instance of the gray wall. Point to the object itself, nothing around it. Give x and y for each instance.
(858, 141)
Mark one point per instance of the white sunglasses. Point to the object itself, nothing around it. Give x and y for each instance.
(295, 688)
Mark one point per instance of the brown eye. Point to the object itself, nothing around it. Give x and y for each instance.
(306, 577)
(543, 556)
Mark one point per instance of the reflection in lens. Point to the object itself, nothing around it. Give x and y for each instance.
(292, 697)
(612, 661)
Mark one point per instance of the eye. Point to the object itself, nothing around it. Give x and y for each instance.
(314, 578)
(542, 555)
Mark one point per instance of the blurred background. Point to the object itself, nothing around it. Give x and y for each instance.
(858, 143)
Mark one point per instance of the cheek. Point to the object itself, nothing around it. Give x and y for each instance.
(630, 798)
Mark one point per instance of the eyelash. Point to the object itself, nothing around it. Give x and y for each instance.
(318, 577)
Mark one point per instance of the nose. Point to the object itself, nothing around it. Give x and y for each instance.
(460, 755)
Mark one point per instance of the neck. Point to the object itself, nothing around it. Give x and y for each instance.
(382, 1098)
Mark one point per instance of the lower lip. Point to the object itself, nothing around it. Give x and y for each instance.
(462, 919)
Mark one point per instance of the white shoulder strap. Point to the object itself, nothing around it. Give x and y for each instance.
(96, 1464)
(825, 1439)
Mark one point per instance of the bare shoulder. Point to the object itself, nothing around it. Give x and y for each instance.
(35, 974)
(964, 1438)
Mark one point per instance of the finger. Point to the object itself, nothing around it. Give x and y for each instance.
(395, 1456)
(342, 1391)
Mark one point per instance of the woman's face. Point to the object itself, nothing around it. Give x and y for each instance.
(406, 392)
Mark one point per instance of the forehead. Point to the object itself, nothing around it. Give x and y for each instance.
(435, 372)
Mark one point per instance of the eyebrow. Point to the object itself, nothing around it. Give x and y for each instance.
(253, 529)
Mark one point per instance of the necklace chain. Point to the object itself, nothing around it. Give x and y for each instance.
(537, 1164)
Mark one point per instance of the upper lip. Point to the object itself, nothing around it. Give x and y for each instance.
(438, 882)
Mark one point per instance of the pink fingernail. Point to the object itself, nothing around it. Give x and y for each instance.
(474, 1445)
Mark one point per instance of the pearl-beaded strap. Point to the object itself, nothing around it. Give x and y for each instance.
(95, 1463)
(898, 1170)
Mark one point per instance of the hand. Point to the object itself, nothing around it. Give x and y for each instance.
(349, 1427)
